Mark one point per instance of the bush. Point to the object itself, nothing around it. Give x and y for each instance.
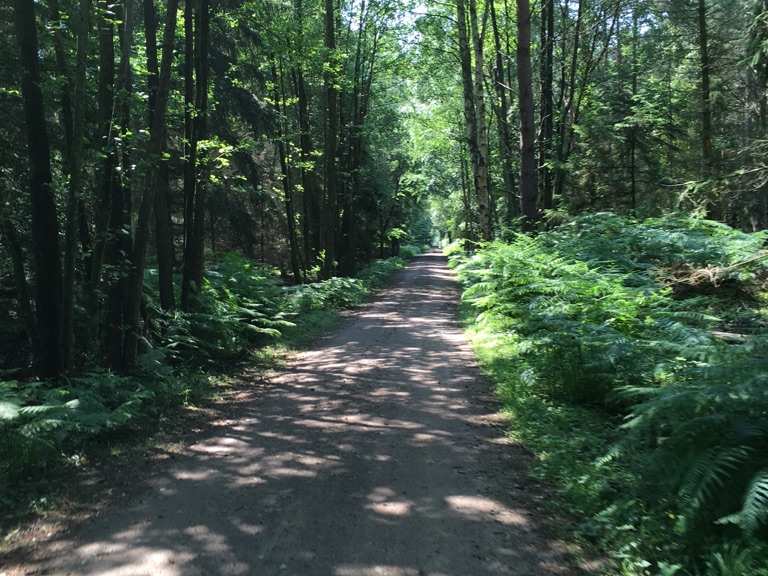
(408, 251)
(43, 423)
(597, 318)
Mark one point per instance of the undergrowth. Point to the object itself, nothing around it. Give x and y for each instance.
(633, 360)
(243, 313)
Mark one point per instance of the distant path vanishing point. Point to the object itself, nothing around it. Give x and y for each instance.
(377, 453)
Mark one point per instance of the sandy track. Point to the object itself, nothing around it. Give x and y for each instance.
(375, 454)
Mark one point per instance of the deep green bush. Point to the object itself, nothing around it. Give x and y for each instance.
(43, 423)
(635, 320)
(408, 251)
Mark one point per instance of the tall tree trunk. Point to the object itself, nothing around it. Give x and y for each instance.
(45, 226)
(163, 233)
(75, 183)
(633, 129)
(502, 123)
(470, 118)
(285, 171)
(107, 178)
(482, 189)
(190, 149)
(10, 238)
(528, 172)
(119, 245)
(72, 95)
(310, 201)
(707, 156)
(546, 60)
(197, 252)
(194, 250)
(331, 141)
(154, 154)
(567, 97)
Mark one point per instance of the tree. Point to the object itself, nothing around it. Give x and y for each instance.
(155, 149)
(330, 224)
(528, 168)
(45, 226)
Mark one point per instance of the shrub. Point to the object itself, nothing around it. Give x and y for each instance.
(599, 319)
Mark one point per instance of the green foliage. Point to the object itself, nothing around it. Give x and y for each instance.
(605, 343)
(408, 251)
(336, 292)
(42, 424)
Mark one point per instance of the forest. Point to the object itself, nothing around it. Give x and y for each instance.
(188, 187)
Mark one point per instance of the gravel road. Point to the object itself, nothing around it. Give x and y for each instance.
(377, 453)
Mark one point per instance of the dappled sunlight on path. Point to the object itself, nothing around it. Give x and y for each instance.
(376, 453)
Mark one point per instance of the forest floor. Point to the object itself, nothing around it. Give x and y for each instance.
(380, 451)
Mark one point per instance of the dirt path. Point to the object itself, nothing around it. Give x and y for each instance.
(376, 453)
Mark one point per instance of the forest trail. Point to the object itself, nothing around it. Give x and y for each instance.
(376, 453)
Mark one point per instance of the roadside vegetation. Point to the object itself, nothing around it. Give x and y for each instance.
(247, 316)
(632, 356)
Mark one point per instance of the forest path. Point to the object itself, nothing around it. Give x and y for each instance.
(379, 452)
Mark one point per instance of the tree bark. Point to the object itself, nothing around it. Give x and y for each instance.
(190, 149)
(154, 154)
(10, 238)
(107, 182)
(45, 226)
(714, 209)
(163, 233)
(482, 190)
(331, 141)
(72, 95)
(470, 118)
(119, 244)
(310, 201)
(528, 169)
(546, 59)
(502, 123)
(285, 171)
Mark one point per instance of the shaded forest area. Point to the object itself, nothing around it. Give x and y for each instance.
(161, 135)
(186, 182)
(183, 184)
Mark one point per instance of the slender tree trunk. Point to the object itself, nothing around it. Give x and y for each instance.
(502, 122)
(190, 149)
(10, 238)
(154, 154)
(633, 129)
(163, 233)
(482, 189)
(285, 171)
(107, 178)
(331, 141)
(45, 226)
(197, 256)
(528, 171)
(714, 209)
(118, 242)
(194, 253)
(72, 95)
(568, 96)
(470, 117)
(310, 191)
(547, 42)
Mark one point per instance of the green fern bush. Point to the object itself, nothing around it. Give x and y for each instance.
(597, 324)
(44, 423)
